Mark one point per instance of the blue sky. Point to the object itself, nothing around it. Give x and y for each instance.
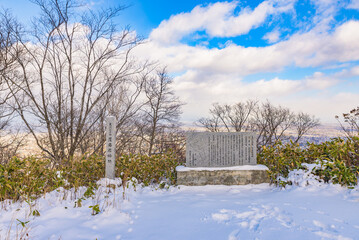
(299, 54)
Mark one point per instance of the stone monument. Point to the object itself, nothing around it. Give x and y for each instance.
(110, 147)
(221, 158)
(206, 149)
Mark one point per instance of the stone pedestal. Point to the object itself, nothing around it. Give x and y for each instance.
(239, 175)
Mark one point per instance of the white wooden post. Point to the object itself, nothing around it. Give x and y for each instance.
(110, 147)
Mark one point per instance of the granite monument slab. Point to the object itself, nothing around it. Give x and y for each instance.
(220, 149)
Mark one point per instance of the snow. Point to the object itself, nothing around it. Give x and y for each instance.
(234, 168)
(309, 209)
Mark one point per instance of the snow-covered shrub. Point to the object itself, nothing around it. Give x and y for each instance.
(281, 159)
(301, 177)
(28, 178)
(337, 171)
(337, 160)
(345, 150)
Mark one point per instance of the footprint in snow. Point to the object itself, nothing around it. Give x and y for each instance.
(319, 224)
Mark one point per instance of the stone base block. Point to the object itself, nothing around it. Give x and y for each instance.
(240, 175)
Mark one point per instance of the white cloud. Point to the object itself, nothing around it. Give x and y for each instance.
(354, 71)
(325, 105)
(230, 88)
(325, 11)
(316, 49)
(320, 81)
(222, 84)
(326, 8)
(354, 4)
(273, 36)
(302, 49)
(273, 87)
(207, 75)
(217, 20)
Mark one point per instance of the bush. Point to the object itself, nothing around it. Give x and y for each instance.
(85, 171)
(28, 178)
(281, 159)
(338, 160)
(345, 150)
(148, 169)
(337, 172)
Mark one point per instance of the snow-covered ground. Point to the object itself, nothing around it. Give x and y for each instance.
(314, 211)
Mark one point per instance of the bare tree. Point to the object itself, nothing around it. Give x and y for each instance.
(351, 123)
(236, 117)
(9, 51)
(73, 63)
(230, 118)
(303, 123)
(211, 124)
(270, 122)
(221, 112)
(162, 110)
(125, 105)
